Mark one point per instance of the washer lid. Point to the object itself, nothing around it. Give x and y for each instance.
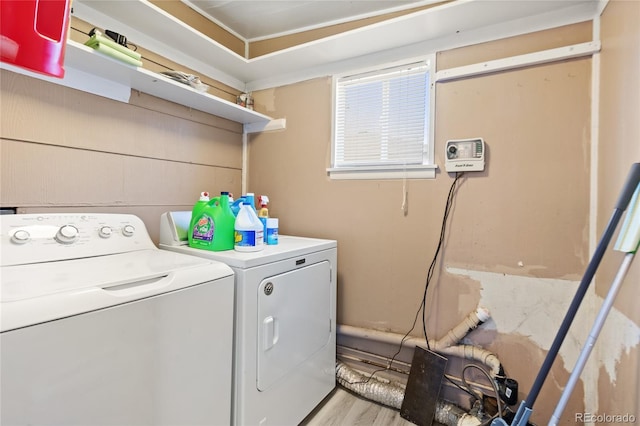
(39, 292)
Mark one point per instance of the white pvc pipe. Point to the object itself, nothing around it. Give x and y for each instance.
(458, 332)
(446, 345)
(475, 353)
(245, 163)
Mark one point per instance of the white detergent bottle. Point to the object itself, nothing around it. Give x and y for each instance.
(249, 231)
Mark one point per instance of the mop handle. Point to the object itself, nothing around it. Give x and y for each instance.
(629, 242)
(591, 341)
(629, 188)
(632, 182)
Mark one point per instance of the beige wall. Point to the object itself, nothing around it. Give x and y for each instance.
(518, 45)
(202, 24)
(65, 150)
(518, 236)
(619, 146)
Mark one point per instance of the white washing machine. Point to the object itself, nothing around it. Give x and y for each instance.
(285, 329)
(100, 327)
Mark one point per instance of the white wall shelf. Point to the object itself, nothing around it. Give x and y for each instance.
(447, 26)
(454, 24)
(93, 72)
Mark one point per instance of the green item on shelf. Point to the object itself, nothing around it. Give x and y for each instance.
(195, 214)
(106, 50)
(97, 38)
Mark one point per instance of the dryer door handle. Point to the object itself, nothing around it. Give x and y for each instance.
(270, 333)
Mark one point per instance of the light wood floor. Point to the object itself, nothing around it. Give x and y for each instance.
(344, 408)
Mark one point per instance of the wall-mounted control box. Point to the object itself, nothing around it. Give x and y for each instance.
(464, 155)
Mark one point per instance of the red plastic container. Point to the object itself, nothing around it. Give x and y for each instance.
(33, 34)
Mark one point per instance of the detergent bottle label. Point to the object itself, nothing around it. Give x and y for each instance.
(248, 238)
(203, 230)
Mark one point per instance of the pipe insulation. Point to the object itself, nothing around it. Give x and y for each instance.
(447, 345)
(391, 394)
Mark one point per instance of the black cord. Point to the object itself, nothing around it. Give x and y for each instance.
(393, 358)
(443, 228)
(460, 387)
(422, 307)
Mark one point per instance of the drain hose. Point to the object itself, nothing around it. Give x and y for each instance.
(391, 394)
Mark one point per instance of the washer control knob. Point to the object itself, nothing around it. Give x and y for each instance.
(20, 236)
(128, 230)
(67, 234)
(105, 231)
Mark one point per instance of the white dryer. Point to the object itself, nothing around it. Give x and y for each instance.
(100, 327)
(285, 329)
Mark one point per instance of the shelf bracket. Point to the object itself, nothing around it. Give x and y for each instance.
(279, 124)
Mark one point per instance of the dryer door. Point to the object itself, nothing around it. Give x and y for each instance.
(294, 314)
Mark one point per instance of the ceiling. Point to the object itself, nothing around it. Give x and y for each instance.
(259, 19)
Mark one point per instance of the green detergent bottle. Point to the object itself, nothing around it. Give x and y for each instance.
(195, 214)
(212, 225)
(225, 222)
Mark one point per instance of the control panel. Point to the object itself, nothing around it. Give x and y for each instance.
(464, 155)
(36, 238)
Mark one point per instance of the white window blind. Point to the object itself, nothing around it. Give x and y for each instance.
(382, 119)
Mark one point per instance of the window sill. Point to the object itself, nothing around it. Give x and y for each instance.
(385, 172)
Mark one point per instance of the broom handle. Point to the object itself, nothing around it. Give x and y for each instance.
(623, 201)
(593, 336)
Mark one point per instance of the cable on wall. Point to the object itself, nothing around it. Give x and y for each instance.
(422, 307)
(443, 228)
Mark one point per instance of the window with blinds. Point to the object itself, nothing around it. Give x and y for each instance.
(382, 123)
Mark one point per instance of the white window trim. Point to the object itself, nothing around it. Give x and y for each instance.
(426, 171)
(381, 172)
